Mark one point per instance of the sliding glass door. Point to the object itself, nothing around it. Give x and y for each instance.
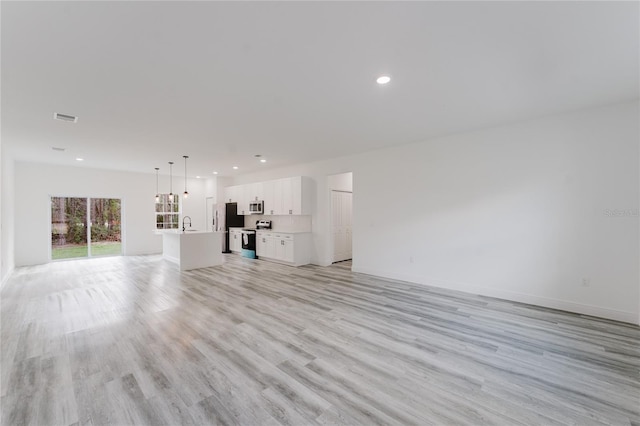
(84, 227)
(104, 217)
(69, 228)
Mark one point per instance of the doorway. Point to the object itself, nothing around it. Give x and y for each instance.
(85, 227)
(341, 213)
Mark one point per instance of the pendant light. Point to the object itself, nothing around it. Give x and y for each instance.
(186, 194)
(157, 192)
(170, 181)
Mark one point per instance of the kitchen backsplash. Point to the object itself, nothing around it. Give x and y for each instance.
(281, 223)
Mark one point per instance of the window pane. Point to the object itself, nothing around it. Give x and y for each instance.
(105, 227)
(167, 211)
(68, 228)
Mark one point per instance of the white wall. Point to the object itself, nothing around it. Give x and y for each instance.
(522, 212)
(341, 182)
(7, 234)
(519, 212)
(2, 260)
(36, 183)
(211, 188)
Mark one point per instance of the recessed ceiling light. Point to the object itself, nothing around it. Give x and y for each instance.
(235, 167)
(197, 177)
(215, 173)
(79, 159)
(263, 160)
(383, 79)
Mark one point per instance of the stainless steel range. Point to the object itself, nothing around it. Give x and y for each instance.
(249, 243)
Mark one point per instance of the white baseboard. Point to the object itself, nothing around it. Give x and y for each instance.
(143, 253)
(564, 305)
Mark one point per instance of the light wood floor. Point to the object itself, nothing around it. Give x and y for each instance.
(130, 340)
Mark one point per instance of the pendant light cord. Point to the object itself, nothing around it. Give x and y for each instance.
(185, 174)
(157, 185)
(170, 177)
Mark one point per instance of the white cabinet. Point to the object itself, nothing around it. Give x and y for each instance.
(266, 245)
(254, 192)
(292, 196)
(231, 194)
(228, 194)
(288, 196)
(293, 249)
(297, 205)
(243, 200)
(278, 208)
(246, 194)
(235, 239)
(285, 248)
(261, 245)
(268, 193)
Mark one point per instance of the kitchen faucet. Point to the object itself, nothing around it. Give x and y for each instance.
(183, 219)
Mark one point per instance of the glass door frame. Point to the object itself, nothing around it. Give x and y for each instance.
(88, 226)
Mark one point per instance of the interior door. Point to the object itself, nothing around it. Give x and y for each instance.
(341, 212)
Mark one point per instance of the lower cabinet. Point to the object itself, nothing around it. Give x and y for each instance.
(284, 250)
(235, 239)
(293, 249)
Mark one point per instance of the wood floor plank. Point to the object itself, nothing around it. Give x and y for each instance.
(132, 340)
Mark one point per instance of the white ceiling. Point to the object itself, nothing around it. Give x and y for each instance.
(295, 81)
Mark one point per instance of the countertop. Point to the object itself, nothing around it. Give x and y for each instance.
(187, 232)
(273, 231)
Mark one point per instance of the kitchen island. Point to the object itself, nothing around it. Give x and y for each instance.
(192, 249)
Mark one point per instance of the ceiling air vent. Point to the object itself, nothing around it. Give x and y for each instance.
(55, 148)
(65, 117)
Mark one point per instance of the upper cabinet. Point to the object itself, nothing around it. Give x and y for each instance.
(288, 196)
(253, 192)
(293, 197)
(231, 194)
(269, 191)
(297, 199)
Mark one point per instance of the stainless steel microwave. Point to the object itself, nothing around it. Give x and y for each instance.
(256, 207)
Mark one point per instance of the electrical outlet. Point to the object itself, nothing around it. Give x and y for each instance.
(586, 282)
